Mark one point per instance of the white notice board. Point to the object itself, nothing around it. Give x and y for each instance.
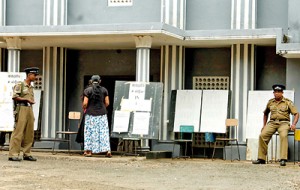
(187, 109)
(214, 111)
(36, 107)
(257, 102)
(140, 123)
(7, 82)
(136, 105)
(121, 121)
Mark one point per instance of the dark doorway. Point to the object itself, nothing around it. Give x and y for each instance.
(109, 83)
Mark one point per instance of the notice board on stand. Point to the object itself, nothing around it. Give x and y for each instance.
(7, 82)
(257, 102)
(206, 110)
(187, 109)
(214, 111)
(137, 109)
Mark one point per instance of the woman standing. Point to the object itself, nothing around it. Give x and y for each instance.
(96, 131)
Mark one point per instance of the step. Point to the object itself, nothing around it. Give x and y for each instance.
(158, 154)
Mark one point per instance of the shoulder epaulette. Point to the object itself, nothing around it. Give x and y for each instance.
(271, 100)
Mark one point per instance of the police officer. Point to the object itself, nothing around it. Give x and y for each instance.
(280, 109)
(23, 134)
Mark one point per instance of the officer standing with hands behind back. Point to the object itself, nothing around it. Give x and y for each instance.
(280, 109)
(23, 134)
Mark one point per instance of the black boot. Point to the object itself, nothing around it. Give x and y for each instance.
(259, 161)
(283, 162)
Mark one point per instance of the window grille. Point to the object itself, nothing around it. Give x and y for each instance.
(38, 83)
(211, 83)
(114, 3)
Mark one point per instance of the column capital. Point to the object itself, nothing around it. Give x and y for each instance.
(143, 41)
(13, 42)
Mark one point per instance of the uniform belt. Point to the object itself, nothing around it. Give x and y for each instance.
(279, 120)
(23, 104)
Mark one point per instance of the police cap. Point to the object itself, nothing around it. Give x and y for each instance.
(33, 70)
(278, 87)
(95, 78)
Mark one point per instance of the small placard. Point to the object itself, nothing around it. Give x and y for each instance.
(121, 121)
(141, 123)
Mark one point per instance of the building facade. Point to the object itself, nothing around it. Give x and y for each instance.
(254, 43)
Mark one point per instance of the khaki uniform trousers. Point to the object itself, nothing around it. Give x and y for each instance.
(23, 134)
(283, 128)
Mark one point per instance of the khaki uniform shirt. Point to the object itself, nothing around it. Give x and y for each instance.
(280, 111)
(27, 91)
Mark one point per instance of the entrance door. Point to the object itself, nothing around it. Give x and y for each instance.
(109, 83)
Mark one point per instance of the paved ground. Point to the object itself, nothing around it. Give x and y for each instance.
(62, 171)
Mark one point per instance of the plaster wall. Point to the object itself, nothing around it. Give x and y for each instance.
(208, 14)
(270, 68)
(97, 12)
(104, 63)
(29, 12)
(206, 62)
(294, 21)
(272, 14)
(293, 78)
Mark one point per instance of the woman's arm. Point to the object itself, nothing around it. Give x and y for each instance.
(106, 101)
(85, 102)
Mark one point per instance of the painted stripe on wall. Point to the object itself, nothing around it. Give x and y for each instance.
(243, 14)
(174, 13)
(182, 14)
(2, 12)
(167, 12)
(47, 12)
(175, 6)
(253, 14)
(232, 14)
(55, 12)
(246, 14)
(238, 14)
(63, 17)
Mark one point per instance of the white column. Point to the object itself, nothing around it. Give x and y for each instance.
(242, 80)
(14, 47)
(54, 85)
(172, 76)
(143, 45)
